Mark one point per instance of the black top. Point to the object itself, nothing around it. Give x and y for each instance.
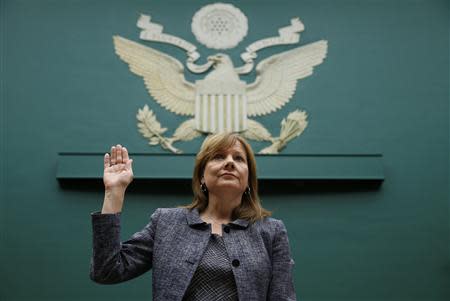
(213, 279)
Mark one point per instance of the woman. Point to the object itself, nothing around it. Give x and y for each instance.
(223, 246)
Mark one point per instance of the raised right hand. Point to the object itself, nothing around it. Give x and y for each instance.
(117, 175)
(118, 172)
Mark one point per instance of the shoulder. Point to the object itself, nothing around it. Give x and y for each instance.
(269, 224)
(169, 214)
(270, 227)
(163, 220)
(171, 211)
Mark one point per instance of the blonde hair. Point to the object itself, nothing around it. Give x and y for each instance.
(250, 208)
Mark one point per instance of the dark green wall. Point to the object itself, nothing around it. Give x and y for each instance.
(384, 85)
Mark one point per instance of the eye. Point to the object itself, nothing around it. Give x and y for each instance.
(239, 158)
(218, 156)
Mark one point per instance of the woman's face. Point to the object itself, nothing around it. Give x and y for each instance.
(227, 169)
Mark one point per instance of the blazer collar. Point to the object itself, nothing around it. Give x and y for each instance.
(240, 223)
(193, 220)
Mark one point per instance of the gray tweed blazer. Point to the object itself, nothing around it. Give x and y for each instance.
(172, 245)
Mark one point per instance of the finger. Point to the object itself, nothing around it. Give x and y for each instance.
(113, 155)
(125, 154)
(119, 154)
(106, 161)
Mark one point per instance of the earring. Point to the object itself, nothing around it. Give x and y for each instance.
(203, 188)
(247, 191)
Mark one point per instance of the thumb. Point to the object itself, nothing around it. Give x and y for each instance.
(129, 164)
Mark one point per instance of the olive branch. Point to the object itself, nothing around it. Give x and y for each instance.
(151, 129)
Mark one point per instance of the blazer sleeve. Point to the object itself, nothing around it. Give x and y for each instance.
(113, 261)
(281, 285)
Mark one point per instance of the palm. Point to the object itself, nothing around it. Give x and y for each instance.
(117, 175)
(117, 171)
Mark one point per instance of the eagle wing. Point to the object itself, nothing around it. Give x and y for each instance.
(277, 77)
(162, 74)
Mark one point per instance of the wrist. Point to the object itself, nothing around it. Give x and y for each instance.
(113, 200)
(115, 191)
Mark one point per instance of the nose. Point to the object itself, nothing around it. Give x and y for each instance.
(229, 162)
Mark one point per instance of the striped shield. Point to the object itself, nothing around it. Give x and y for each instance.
(215, 113)
(217, 110)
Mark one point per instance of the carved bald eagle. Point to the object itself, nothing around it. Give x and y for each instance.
(221, 101)
(221, 94)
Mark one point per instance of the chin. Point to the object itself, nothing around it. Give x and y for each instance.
(230, 186)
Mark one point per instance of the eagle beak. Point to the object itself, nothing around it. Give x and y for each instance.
(213, 58)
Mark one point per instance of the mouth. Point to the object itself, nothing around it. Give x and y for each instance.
(228, 174)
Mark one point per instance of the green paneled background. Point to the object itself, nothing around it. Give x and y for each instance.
(384, 87)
